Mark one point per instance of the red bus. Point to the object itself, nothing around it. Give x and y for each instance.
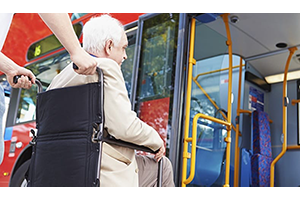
(198, 79)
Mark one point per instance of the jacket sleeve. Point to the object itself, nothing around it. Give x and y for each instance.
(120, 121)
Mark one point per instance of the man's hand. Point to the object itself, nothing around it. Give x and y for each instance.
(11, 69)
(23, 81)
(86, 64)
(160, 153)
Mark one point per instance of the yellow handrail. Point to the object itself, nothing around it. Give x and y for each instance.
(192, 62)
(193, 151)
(194, 138)
(237, 131)
(284, 117)
(213, 119)
(293, 147)
(228, 138)
(217, 70)
(294, 101)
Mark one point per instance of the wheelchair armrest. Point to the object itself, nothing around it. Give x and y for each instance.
(112, 140)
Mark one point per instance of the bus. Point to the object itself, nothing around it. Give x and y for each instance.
(221, 89)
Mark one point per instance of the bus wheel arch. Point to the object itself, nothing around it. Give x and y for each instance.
(20, 166)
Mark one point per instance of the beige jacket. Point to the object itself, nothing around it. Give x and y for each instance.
(119, 167)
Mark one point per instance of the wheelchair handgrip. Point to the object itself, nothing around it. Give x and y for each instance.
(75, 66)
(37, 82)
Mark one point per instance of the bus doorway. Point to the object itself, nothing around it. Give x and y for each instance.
(206, 106)
(265, 56)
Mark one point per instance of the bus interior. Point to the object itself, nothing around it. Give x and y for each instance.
(264, 46)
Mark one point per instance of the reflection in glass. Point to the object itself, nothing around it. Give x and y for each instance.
(156, 72)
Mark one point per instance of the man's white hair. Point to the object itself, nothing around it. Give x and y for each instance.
(100, 29)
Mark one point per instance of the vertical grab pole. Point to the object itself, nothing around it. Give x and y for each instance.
(192, 62)
(237, 131)
(284, 116)
(228, 138)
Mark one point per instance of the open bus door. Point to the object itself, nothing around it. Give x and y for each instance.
(208, 121)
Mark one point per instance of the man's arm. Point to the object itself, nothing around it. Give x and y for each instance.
(120, 120)
(61, 26)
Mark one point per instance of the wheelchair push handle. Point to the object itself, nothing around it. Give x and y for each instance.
(37, 82)
(75, 66)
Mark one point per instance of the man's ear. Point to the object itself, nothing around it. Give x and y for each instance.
(108, 45)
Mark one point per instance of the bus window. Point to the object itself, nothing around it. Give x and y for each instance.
(26, 110)
(156, 72)
(49, 44)
(45, 71)
(213, 83)
(208, 44)
(157, 57)
(77, 16)
(127, 65)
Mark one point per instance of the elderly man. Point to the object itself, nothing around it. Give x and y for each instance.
(105, 38)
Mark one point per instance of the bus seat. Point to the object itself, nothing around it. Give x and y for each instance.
(262, 152)
(261, 133)
(245, 168)
(260, 167)
(209, 161)
(208, 166)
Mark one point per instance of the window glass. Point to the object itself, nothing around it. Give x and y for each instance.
(156, 73)
(49, 44)
(26, 110)
(127, 65)
(45, 71)
(77, 16)
(158, 57)
(209, 96)
(211, 88)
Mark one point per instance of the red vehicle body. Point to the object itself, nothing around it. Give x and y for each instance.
(27, 28)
